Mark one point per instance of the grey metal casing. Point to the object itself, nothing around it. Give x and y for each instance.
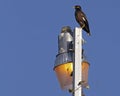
(65, 47)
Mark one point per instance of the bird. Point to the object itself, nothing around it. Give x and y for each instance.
(82, 19)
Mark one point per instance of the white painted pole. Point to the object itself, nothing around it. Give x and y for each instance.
(77, 68)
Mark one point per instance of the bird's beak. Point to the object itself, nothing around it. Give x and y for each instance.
(74, 7)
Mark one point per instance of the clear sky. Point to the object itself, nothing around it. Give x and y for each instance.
(28, 45)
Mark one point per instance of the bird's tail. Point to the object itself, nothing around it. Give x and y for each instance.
(89, 34)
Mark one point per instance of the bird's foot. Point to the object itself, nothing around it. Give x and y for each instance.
(83, 26)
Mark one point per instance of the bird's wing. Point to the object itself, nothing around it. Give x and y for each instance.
(82, 20)
(79, 16)
(83, 16)
(86, 28)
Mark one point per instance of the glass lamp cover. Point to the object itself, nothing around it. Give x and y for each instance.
(64, 74)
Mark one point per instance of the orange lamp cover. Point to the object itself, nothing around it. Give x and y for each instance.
(64, 74)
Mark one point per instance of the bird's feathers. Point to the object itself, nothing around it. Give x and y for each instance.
(82, 19)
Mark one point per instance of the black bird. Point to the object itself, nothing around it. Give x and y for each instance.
(81, 19)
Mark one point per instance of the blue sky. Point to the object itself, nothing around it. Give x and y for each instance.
(28, 45)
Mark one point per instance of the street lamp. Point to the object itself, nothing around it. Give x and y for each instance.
(64, 63)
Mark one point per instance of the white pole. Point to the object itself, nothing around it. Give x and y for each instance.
(77, 69)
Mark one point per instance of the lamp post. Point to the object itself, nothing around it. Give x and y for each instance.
(70, 68)
(77, 73)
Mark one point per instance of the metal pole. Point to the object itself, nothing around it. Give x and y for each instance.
(77, 68)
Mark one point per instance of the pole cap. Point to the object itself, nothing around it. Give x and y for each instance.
(66, 29)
